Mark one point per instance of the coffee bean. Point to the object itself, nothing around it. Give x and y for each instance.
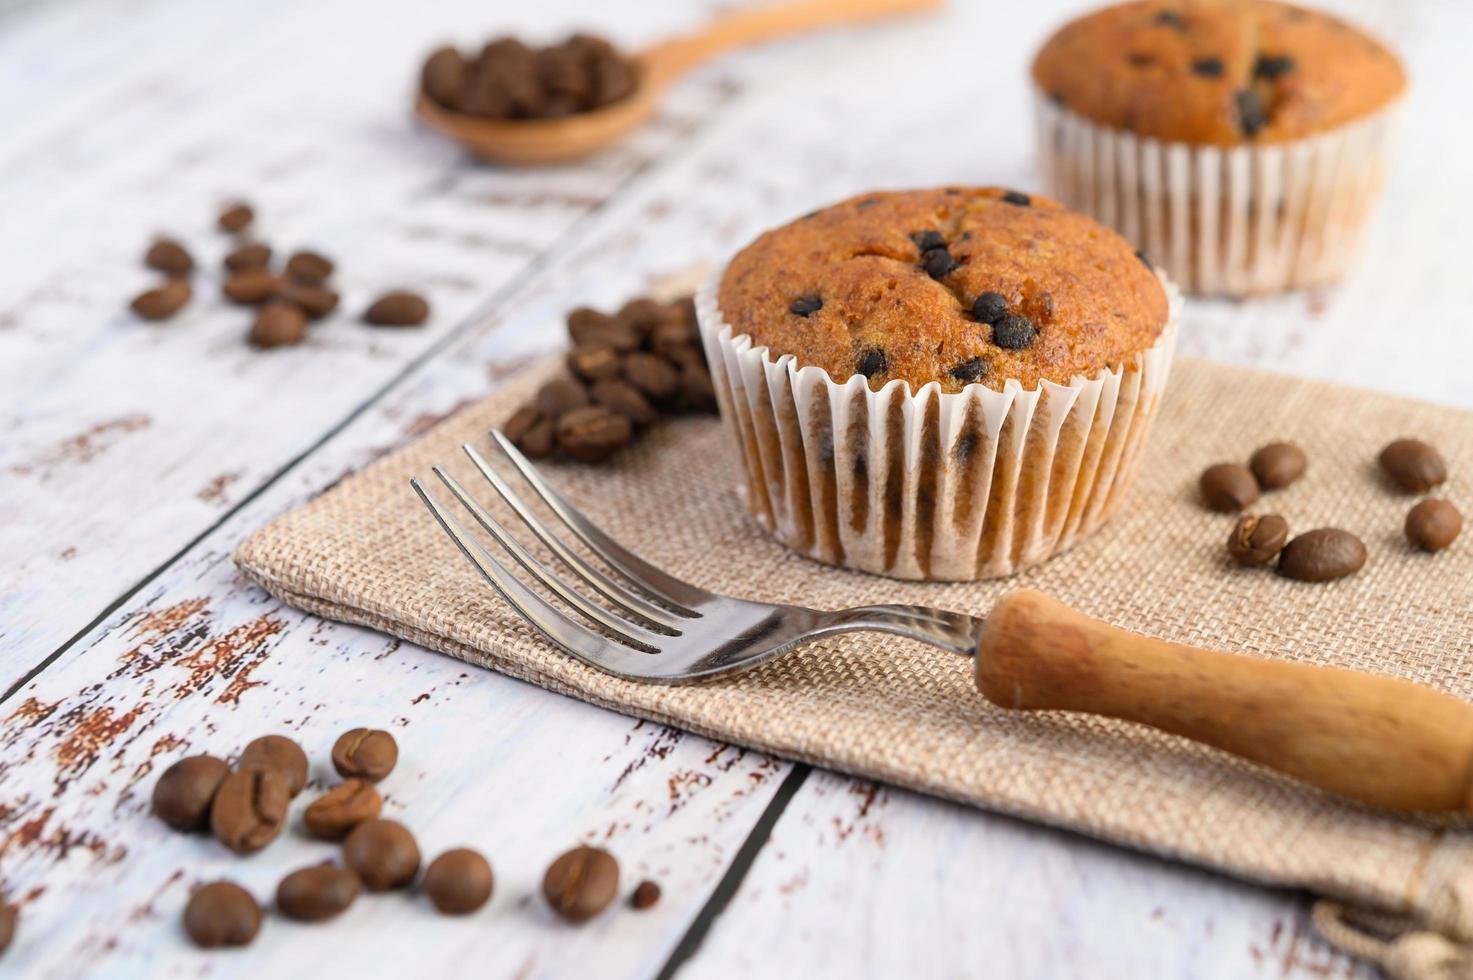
(1252, 116)
(335, 813)
(222, 914)
(971, 370)
(256, 255)
(168, 256)
(593, 434)
(183, 794)
(398, 309)
(250, 286)
(1413, 465)
(1433, 524)
(560, 396)
(1228, 487)
(540, 440)
(872, 362)
(655, 377)
(315, 301)
(459, 881)
(1207, 67)
(697, 393)
(1014, 333)
(646, 893)
(279, 324)
(595, 363)
(590, 327)
(806, 305)
(163, 301)
(674, 336)
(365, 753)
(521, 422)
(938, 263)
(383, 854)
(1277, 465)
(249, 810)
(9, 923)
(1257, 540)
(443, 77)
(683, 310)
(623, 398)
(581, 883)
(989, 307)
(1322, 555)
(310, 268)
(235, 217)
(1020, 199)
(642, 315)
(1272, 67)
(317, 893)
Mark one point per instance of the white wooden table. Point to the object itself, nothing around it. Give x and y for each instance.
(135, 457)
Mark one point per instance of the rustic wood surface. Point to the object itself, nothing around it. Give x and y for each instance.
(135, 457)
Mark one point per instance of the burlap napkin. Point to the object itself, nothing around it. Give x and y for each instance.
(367, 552)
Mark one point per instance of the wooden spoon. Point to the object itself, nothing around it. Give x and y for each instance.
(534, 141)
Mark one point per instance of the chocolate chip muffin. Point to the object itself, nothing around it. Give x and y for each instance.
(1242, 142)
(953, 286)
(943, 384)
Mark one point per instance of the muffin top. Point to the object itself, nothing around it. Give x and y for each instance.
(1217, 72)
(955, 285)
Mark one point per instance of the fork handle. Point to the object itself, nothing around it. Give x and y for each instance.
(1380, 740)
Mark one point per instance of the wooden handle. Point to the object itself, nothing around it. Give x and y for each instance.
(667, 61)
(1387, 742)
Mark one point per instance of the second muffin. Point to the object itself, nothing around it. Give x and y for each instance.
(941, 384)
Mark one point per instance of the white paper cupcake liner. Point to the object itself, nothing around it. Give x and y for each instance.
(928, 484)
(1224, 221)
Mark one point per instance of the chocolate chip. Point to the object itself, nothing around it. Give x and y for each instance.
(595, 362)
(279, 753)
(646, 894)
(806, 305)
(1413, 465)
(1257, 540)
(1433, 525)
(459, 881)
(309, 267)
(256, 255)
(1272, 67)
(581, 883)
(927, 240)
(1014, 333)
(872, 362)
(163, 301)
(560, 396)
(655, 377)
(317, 893)
(365, 753)
(969, 371)
(623, 398)
(235, 217)
(398, 309)
(1018, 198)
(383, 854)
(1228, 487)
(250, 286)
(1322, 555)
(168, 256)
(1145, 259)
(249, 810)
(183, 794)
(334, 814)
(1171, 18)
(989, 307)
(442, 78)
(221, 914)
(1252, 116)
(1208, 67)
(938, 263)
(1277, 465)
(278, 324)
(593, 434)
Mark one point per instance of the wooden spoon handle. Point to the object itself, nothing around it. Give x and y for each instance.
(670, 59)
(1380, 740)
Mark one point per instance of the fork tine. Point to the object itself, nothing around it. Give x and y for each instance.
(626, 630)
(631, 566)
(597, 580)
(551, 621)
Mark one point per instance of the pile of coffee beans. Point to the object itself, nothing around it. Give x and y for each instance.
(509, 80)
(287, 298)
(1326, 553)
(245, 808)
(627, 369)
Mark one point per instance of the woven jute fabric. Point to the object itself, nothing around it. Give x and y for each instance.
(368, 552)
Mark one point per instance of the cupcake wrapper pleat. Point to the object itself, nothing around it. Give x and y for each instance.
(1224, 221)
(928, 484)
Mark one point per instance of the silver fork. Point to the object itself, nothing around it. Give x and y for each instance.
(1381, 740)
